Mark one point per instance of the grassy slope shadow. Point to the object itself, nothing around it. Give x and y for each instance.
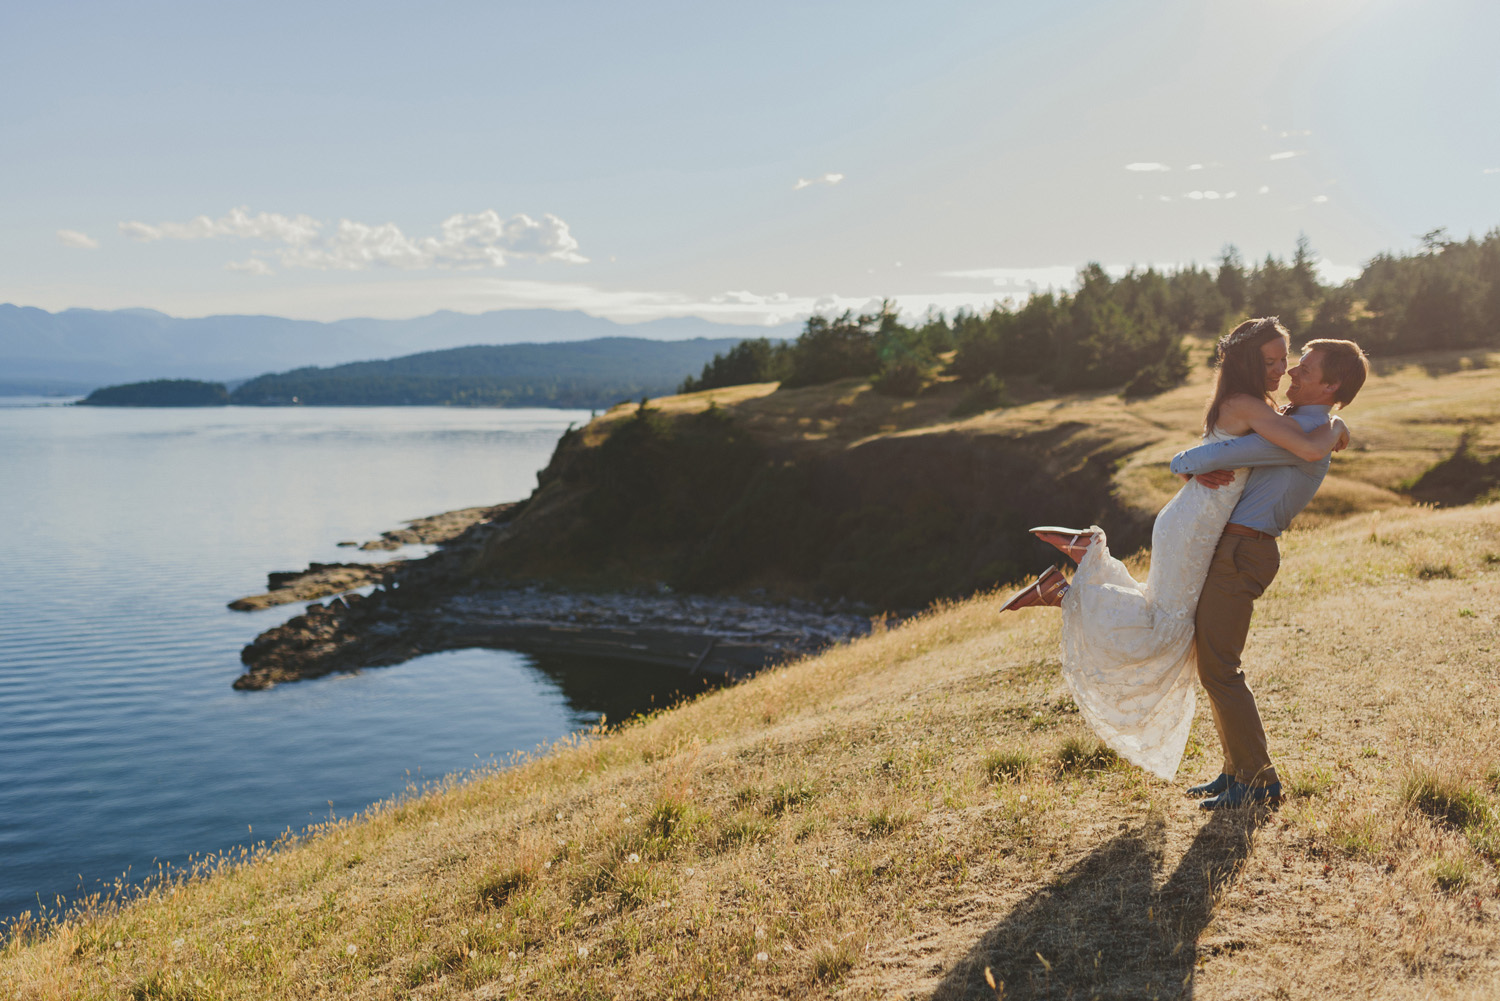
(1104, 928)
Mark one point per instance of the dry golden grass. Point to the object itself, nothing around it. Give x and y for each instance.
(896, 816)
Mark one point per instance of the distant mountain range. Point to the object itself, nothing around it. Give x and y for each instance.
(80, 349)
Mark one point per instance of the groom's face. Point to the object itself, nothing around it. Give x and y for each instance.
(1307, 382)
(1274, 353)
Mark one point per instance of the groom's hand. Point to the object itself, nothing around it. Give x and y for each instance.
(1216, 479)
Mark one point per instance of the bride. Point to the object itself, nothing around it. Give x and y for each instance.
(1127, 646)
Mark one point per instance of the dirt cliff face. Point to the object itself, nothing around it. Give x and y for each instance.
(879, 501)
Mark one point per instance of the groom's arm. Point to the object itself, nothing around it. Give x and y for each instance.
(1250, 450)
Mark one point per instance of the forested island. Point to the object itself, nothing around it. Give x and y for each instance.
(160, 393)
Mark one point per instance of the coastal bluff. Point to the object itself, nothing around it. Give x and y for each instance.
(724, 531)
(683, 530)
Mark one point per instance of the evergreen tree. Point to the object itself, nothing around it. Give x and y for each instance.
(1305, 272)
(829, 350)
(1231, 279)
(755, 360)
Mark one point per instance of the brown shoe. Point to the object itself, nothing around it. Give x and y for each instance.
(1048, 590)
(1072, 542)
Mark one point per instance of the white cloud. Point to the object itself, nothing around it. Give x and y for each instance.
(828, 179)
(1212, 196)
(239, 222)
(747, 298)
(1021, 280)
(1265, 189)
(254, 266)
(1490, 170)
(1287, 154)
(73, 238)
(1195, 166)
(482, 239)
(1296, 132)
(1232, 194)
(1146, 167)
(1320, 199)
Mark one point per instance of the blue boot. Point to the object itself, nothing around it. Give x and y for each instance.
(1213, 788)
(1239, 794)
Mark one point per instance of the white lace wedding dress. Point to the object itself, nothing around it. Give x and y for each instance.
(1127, 647)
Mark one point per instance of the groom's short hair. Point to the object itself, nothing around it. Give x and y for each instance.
(1345, 363)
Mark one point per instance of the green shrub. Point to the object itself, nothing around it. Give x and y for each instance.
(1447, 800)
(1009, 764)
(903, 378)
(1451, 874)
(1079, 755)
(987, 394)
(832, 960)
(497, 889)
(786, 796)
(1312, 782)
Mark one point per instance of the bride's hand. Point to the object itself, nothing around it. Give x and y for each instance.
(1216, 479)
(1343, 430)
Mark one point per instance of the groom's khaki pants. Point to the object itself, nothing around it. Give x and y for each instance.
(1241, 571)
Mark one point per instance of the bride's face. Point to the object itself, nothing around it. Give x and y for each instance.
(1274, 353)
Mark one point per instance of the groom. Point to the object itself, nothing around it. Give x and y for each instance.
(1280, 485)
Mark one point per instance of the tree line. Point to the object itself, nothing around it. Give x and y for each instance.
(1127, 333)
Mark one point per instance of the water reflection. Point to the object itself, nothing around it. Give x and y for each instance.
(619, 690)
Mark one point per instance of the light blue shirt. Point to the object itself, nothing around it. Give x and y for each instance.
(1280, 484)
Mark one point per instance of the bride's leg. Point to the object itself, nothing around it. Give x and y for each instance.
(1047, 590)
(1071, 542)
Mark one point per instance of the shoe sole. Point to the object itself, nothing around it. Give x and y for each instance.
(1016, 601)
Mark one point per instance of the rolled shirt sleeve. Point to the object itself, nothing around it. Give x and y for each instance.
(1247, 451)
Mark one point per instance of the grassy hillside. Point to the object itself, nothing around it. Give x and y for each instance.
(895, 816)
(898, 815)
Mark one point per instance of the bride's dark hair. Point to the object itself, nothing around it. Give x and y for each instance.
(1242, 368)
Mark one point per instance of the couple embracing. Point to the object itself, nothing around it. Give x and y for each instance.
(1130, 649)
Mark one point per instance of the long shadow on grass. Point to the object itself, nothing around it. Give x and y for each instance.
(1105, 928)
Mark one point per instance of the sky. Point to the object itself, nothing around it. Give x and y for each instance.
(744, 163)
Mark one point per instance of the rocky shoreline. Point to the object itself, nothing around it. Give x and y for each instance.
(319, 580)
(416, 611)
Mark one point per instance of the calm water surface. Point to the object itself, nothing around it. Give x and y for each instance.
(124, 532)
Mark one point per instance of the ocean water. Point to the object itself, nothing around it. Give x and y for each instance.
(124, 533)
